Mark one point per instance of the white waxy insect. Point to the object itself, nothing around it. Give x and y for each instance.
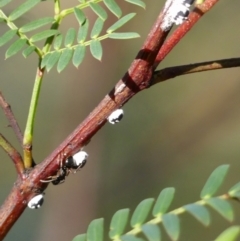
(77, 161)
(36, 202)
(177, 12)
(116, 116)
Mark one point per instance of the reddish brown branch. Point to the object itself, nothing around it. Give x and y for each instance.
(137, 78)
(183, 29)
(13, 153)
(10, 116)
(172, 72)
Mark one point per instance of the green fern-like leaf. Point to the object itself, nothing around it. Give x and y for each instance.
(73, 48)
(171, 220)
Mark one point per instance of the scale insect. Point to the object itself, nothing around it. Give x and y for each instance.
(72, 164)
(182, 10)
(116, 116)
(176, 12)
(77, 161)
(36, 202)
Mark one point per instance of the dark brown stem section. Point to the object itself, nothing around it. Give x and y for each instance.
(10, 116)
(13, 153)
(137, 78)
(172, 72)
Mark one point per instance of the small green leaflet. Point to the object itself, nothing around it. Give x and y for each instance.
(82, 33)
(120, 22)
(57, 41)
(35, 24)
(137, 2)
(4, 2)
(230, 234)
(199, 212)
(70, 37)
(152, 232)
(163, 202)
(15, 47)
(43, 35)
(96, 49)
(98, 10)
(80, 237)
(97, 28)
(128, 35)
(81, 18)
(214, 181)
(52, 60)
(23, 8)
(141, 212)
(26, 52)
(95, 230)
(113, 7)
(78, 55)
(118, 223)
(223, 207)
(172, 225)
(64, 59)
(7, 36)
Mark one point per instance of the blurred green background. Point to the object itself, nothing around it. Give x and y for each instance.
(172, 135)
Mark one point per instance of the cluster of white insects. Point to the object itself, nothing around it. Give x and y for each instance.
(72, 164)
(176, 12)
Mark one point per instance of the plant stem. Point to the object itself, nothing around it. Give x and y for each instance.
(28, 134)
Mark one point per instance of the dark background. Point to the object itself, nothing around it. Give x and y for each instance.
(172, 135)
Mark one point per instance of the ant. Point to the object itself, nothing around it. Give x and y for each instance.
(72, 164)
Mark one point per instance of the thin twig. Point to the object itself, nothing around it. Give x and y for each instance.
(14, 155)
(11, 118)
(171, 72)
